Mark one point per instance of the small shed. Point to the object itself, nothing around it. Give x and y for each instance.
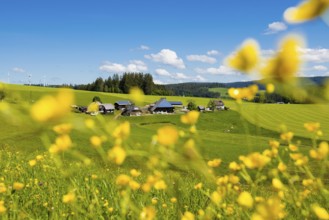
(132, 111)
(105, 108)
(162, 106)
(122, 104)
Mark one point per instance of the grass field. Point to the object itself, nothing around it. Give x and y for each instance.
(192, 176)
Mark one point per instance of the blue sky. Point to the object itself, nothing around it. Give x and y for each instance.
(71, 41)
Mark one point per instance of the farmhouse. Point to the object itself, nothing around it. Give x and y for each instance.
(176, 103)
(219, 105)
(119, 105)
(161, 106)
(201, 108)
(105, 108)
(132, 111)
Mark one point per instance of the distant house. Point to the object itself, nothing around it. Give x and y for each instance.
(119, 105)
(162, 106)
(132, 111)
(201, 108)
(176, 103)
(105, 108)
(219, 105)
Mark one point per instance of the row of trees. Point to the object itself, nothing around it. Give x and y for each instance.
(123, 83)
(195, 89)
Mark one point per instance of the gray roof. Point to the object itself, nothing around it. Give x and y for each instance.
(123, 102)
(162, 103)
(108, 106)
(176, 102)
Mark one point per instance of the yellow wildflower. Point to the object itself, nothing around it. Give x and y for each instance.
(167, 135)
(148, 213)
(270, 88)
(307, 10)
(320, 212)
(282, 167)
(32, 163)
(62, 143)
(173, 200)
(246, 58)
(117, 154)
(312, 126)
(243, 93)
(307, 182)
(255, 160)
(233, 179)
(234, 166)
(321, 152)
(160, 185)
(245, 200)
(96, 141)
(53, 107)
(122, 180)
(39, 157)
(198, 186)
(214, 162)
(190, 118)
(277, 184)
(93, 107)
(285, 65)
(293, 147)
(3, 209)
(188, 216)
(135, 173)
(94, 176)
(122, 131)
(274, 144)
(63, 128)
(287, 136)
(69, 198)
(134, 185)
(154, 201)
(18, 186)
(90, 123)
(136, 95)
(3, 188)
(216, 197)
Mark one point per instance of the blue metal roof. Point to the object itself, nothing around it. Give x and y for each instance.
(176, 102)
(162, 103)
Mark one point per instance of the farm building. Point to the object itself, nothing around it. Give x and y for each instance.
(162, 106)
(201, 108)
(176, 103)
(131, 111)
(119, 105)
(105, 108)
(219, 105)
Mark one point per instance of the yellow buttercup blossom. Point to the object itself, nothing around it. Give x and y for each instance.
(286, 63)
(188, 216)
(160, 185)
(134, 185)
(282, 167)
(39, 157)
(90, 123)
(3, 209)
(321, 152)
(62, 143)
(270, 209)
(154, 201)
(246, 58)
(167, 135)
(308, 182)
(93, 107)
(50, 108)
(214, 162)
(136, 95)
(190, 118)
(3, 188)
(307, 10)
(312, 126)
(293, 147)
(63, 128)
(122, 180)
(122, 131)
(270, 88)
(287, 136)
(69, 198)
(243, 93)
(320, 212)
(245, 200)
(234, 166)
(148, 213)
(277, 184)
(32, 163)
(96, 141)
(117, 154)
(18, 186)
(135, 173)
(255, 160)
(173, 200)
(198, 186)
(274, 144)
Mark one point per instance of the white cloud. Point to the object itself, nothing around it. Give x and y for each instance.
(275, 27)
(159, 82)
(144, 47)
(162, 72)
(320, 68)
(167, 56)
(133, 66)
(199, 78)
(201, 58)
(18, 70)
(221, 70)
(320, 55)
(212, 52)
(179, 76)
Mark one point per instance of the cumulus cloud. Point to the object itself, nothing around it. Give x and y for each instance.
(199, 78)
(201, 58)
(221, 70)
(133, 66)
(165, 73)
(212, 52)
(167, 56)
(162, 72)
(275, 27)
(319, 55)
(18, 70)
(144, 47)
(320, 68)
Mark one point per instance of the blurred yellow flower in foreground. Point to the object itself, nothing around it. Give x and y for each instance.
(63, 128)
(62, 143)
(246, 58)
(117, 155)
(243, 93)
(18, 186)
(312, 126)
(188, 216)
(3, 209)
(321, 152)
(306, 10)
(167, 135)
(286, 63)
(3, 188)
(287, 136)
(245, 200)
(53, 107)
(320, 212)
(95, 141)
(190, 118)
(148, 213)
(69, 198)
(136, 94)
(255, 160)
(270, 88)
(122, 131)
(32, 163)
